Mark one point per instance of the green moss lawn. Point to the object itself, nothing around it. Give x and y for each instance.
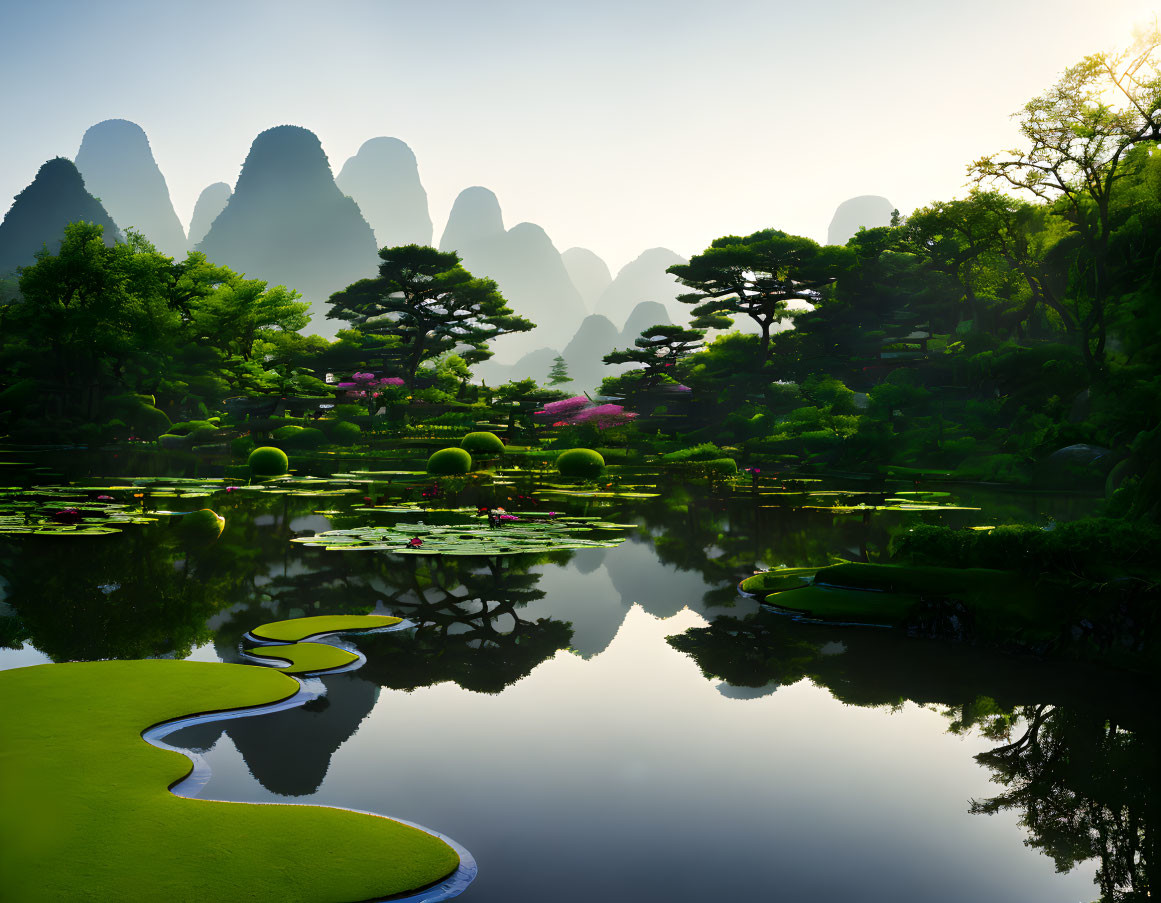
(306, 658)
(85, 813)
(301, 628)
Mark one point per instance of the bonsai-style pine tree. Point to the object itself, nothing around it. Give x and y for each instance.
(757, 276)
(431, 304)
(658, 349)
(558, 375)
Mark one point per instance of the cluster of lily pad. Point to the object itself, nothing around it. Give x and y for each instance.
(528, 532)
(66, 513)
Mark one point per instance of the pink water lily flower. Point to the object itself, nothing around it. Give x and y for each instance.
(414, 543)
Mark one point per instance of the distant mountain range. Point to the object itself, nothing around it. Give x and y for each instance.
(290, 221)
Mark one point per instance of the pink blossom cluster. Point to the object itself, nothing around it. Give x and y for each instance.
(367, 381)
(603, 416)
(565, 407)
(579, 409)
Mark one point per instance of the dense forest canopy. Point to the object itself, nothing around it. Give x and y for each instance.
(979, 335)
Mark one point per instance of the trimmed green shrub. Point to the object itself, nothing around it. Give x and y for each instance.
(449, 461)
(482, 444)
(580, 462)
(345, 433)
(293, 436)
(268, 462)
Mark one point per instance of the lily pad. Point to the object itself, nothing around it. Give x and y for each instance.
(473, 538)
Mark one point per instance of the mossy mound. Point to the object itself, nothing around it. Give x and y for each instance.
(294, 436)
(268, 461)
(778, 581)
(305, 658)
(296, 629)
(87, 814)
(482, 443)
(449, 462)
(345, 433)
(203, 526)
(580, 463)
(833, 603)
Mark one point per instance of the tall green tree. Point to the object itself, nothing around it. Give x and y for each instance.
(1079, 136)
(658, 349)
(558, 374)
(757, 276)
(431, 303)
(95, 322)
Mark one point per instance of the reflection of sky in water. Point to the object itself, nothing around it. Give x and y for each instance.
(621, 773)
(617, 771)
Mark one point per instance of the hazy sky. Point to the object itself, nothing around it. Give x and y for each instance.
(616, 126)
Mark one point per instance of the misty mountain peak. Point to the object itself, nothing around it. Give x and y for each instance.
(118, 167)
(866, 211)
(39, 214)
(211, 202)
(383, 178)
(475, 216)
(645, 279)
(588, 273)
(287, 222)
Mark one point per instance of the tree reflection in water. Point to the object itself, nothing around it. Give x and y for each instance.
(1079, 755)
(1086, 787)
(469, 625)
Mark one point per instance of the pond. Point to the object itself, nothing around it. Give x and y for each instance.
(618, 722)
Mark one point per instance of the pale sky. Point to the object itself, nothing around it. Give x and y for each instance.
(617, 126)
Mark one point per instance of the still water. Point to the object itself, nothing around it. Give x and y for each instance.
(539, 714)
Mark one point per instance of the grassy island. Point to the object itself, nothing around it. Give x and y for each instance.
(88, 814)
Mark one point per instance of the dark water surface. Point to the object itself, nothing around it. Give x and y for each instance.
(539, 716)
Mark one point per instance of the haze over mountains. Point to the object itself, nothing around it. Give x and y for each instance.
(523, 261)
(118, 167)
(290, 221)
(589, 274)
(38, 216)
(864, 212)
(644, 279)
(211, 202)
(383, 178)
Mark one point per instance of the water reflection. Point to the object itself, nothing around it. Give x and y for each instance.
(1086, 787)
(289, 752)
(611, 762)
(1077, 754)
